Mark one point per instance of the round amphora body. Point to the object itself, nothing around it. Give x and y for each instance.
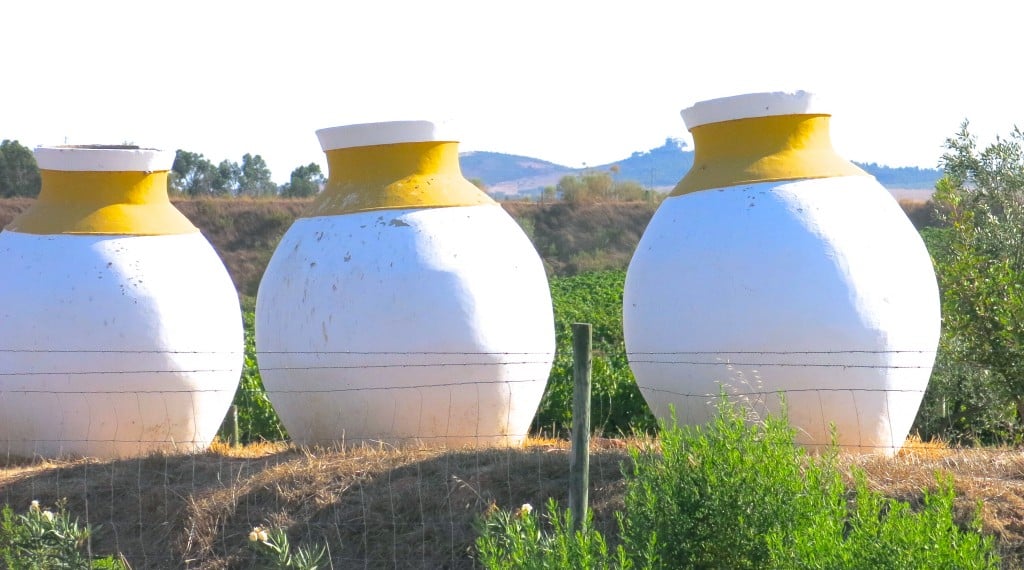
(120, 331)
(407, 307)
(777, 271)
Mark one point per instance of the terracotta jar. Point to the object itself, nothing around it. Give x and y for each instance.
(776, 268)
(120, 331)
(406, 306)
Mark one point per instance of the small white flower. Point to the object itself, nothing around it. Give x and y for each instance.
(263, 536)
(34, 506)
(525, 510)
(254, 535)
(48, 515)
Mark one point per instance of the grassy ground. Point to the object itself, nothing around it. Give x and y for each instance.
(414, 508)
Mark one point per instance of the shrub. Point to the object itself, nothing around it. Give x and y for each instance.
(877, 532)
(273, 548)
(737, 493)
(966, 403)
(43, 539)
(521, 540)
(715, 492)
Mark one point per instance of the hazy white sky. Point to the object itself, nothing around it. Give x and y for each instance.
(565, 81)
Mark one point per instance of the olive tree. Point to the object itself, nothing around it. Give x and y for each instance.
(19, 175)
(979, 258)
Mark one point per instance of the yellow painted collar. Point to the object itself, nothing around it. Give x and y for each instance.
(763, 149)
(102, 203)
(395, 176)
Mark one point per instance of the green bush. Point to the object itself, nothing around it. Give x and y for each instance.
(966, 403)
(43, 539)
(521, 540)
(275, 551)
(716, 492)
(736, 494)
(877, 532)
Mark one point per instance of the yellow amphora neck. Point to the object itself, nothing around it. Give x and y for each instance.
(763, 149)
(102, 203)
(395, 176)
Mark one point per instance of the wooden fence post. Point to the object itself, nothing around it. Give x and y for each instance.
(236, 439)
(579, 461)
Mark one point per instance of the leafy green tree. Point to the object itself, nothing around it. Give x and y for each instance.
(305, 181)
(979, 257)
(192, 174)
(596, 186)
(225, 179)
(254, 177)
(19, 174)
(548, 194)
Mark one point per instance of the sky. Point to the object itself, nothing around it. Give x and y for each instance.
(569, 82)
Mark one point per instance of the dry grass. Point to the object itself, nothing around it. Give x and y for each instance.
(992, 478)
(375, 507)
(414, 508)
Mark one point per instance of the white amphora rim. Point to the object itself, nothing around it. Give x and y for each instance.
(752, 105)
(387, 132)
(103, 158)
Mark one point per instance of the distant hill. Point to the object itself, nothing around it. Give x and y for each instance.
(659, 168)
(512, 175)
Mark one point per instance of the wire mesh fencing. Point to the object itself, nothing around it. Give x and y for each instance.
(401, 481)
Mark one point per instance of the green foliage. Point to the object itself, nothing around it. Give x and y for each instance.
(305, 181)
(979, 260)
(521, 540)
(597, 186)
(273, 548)
(42, 539)
(716, 492)
(225, 181)
(191, 174)
(19, 175)
(738, 493)
(257, 419)
(965, 403)
(616, 403)
(877, 532)
(254, 177)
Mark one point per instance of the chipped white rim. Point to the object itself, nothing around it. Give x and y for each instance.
(752, 105)
(103, 158)
(389, 132)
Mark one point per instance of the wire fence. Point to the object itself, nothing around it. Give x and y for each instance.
(405, 497)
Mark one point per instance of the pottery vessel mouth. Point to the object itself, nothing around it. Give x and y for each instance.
(383, 133)
(103, 158)
(753, 105)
